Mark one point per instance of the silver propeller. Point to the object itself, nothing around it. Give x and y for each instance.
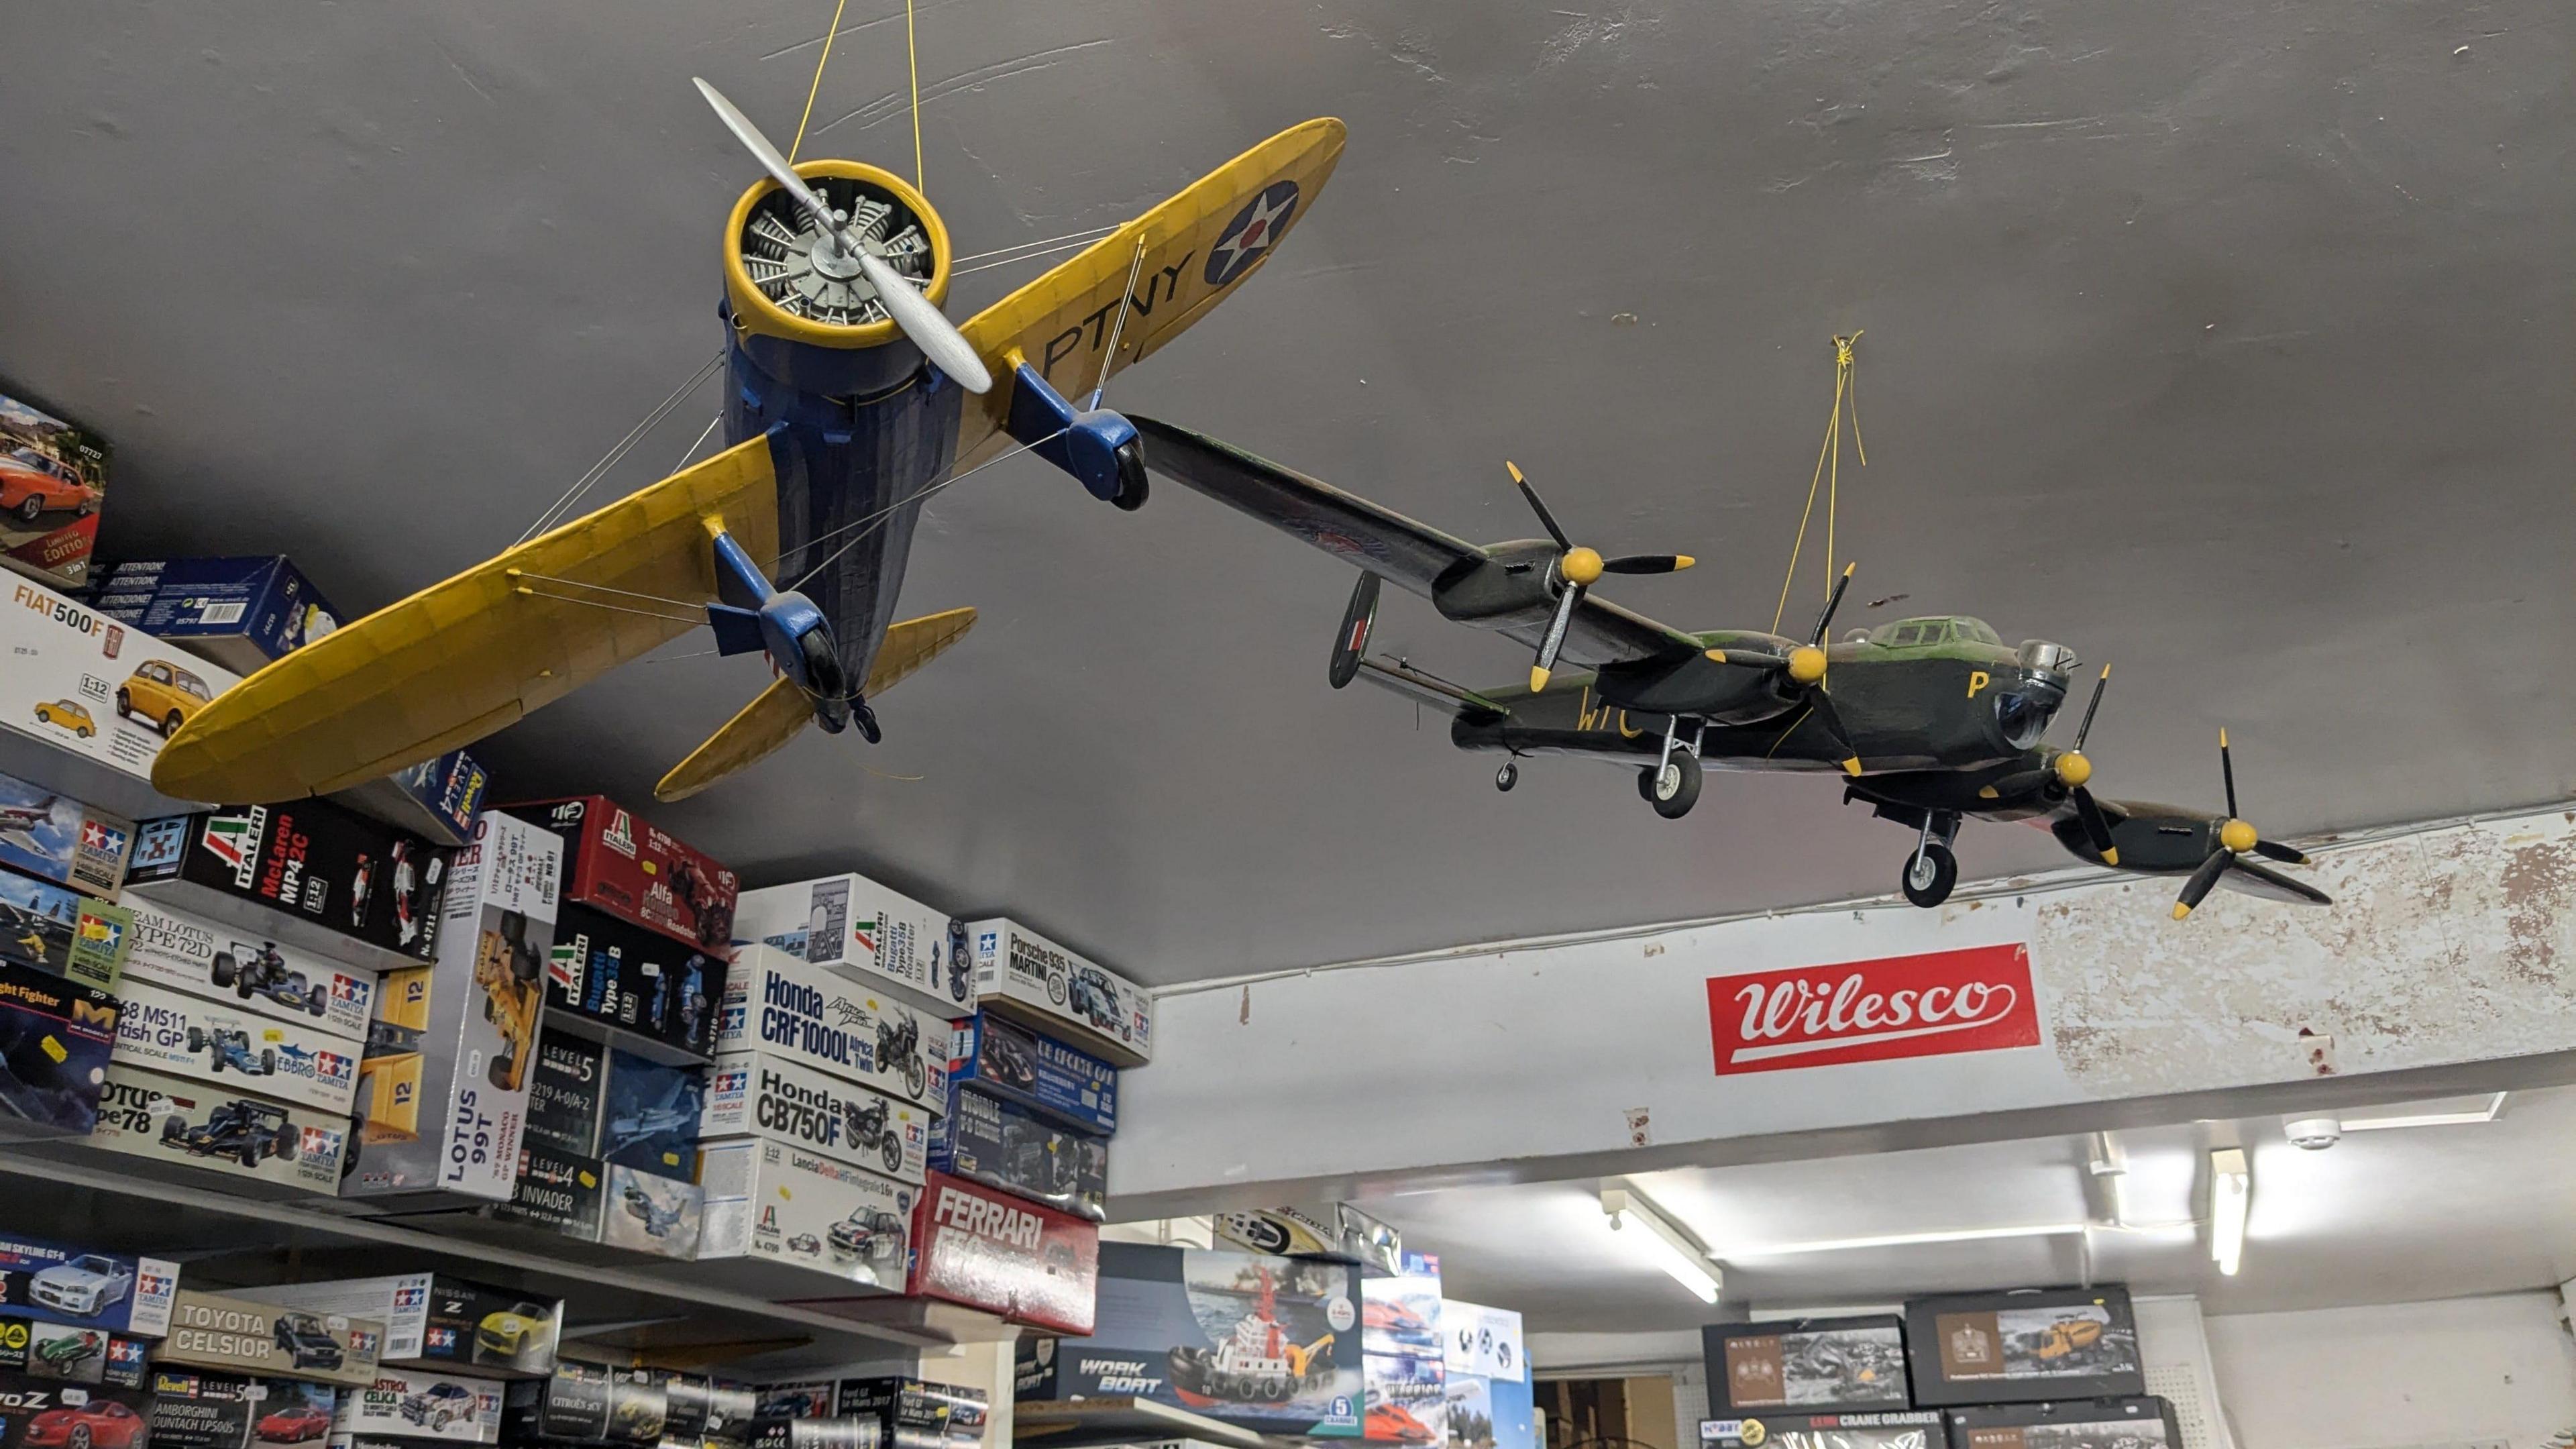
(929, 328)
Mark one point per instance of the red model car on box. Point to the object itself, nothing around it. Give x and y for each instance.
(31, 483)
(294, 1425)
(98, 1424)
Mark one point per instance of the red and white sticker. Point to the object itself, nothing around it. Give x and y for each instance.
(1975, 1000)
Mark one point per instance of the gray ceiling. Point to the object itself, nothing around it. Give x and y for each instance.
(2226, 342)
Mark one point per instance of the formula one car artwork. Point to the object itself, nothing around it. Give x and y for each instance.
(263, 972)
(232, 1049)
(249, 1132)
(507, 969)
(1929, 721)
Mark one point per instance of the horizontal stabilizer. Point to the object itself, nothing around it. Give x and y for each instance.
(1429, 689)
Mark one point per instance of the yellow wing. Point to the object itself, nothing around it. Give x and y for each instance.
(461, 659)
(776, 715)
(1199, 246)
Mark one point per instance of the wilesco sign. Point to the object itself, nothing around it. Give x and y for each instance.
(1972, 1000)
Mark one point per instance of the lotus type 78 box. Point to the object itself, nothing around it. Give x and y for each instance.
(310, 872)
(1036, 1071)
(440, 1320)
(182, 1036)
(417, 1403)
(774, 1200)
(53, 477)
(235, 1335)
(637, 871)
(56, 1038)
(759, 1094)
(91, 1290)
(853, 927)
(223, 1128)
(49, 834)
(239, 612)
(1022, 974)
(990, 1141)
(213, 962)
(988, 1249)
(777, 1004)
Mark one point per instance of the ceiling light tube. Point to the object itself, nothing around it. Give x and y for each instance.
(2231, 1194)
(2493, 1108)
(1904, 1240)
(1658, 1239)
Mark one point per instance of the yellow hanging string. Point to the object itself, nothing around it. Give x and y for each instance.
(817, 87)
(1828, 476)
(912, 52)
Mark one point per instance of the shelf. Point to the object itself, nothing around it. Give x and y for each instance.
(49, 766)
(1077, 1423)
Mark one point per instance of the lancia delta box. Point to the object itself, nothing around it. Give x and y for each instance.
(1036, 1071)
(309, 872)
(90, 1290)
(1022, 974)
(164, 1119)
(779, 1202)
(235, 1335)
(59, 931)
(214, 962)
(57, 838)
(56, 1038)
(636, 871)
(853, 927)
(181, 1036)
(439, 1320)
(759, 1094)
(777, 1004)
(417, 1403)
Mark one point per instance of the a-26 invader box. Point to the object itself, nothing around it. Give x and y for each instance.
(778, 1004)
(268, 1056)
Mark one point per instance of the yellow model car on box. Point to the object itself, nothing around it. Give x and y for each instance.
(68, 714)
(504, 1335)
(163, 694)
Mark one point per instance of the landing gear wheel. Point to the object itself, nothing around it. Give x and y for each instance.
(1674, 789)
(867, 719)
(1132, 491)
(823, 672)
(1928, 880)
(1508, 776)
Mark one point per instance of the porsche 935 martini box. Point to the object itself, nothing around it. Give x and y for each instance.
(788, 1008)
(52, 836)
(636, 871)
(416, 1403)
(53, 477)
(317, 874)
(1916, 1430)
(235, 1335)
(61, 932)
(216, 963)
(853, 927)
(181, 1036)
(1022, 974)
(56, 1038)
(438, 1320)
(566, 1093)
(774, 1200)
(758, 1094)
(987, 1249)
(1038, 1072)
(240, 613)
(987, 1140)
(2134, 1422)
(222, 1129)
(42, 1414)
(605, 972)
(87, 1290)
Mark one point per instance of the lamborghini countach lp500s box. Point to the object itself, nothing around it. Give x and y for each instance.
(317, 874)
(222, 1128)
(866, 933)
(1022, 974)
(788, 1008)
(637, 871)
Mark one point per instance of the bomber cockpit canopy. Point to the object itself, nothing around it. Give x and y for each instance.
(1952, 629)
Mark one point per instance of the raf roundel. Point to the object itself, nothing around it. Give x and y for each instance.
(1252, 233)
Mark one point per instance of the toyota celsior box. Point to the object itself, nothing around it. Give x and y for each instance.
(637, 871)
(2138, 1421)
(183, 1036)
(774, 1200)
(1022, 974)
(472, 1019)
(611, 973)
(49, 834)
(438, 1320)
(107, 1291)
(53, 477)
(853, 927)
(311, 872)
(239, 612)
(1920, 1429)
(760, 1094)
(990, 1250)
(777, 1004)
(223, 1128)
(215, 962)
(40, 1413)
(59, 931)
(987, 1140)
(235, 1335)
(419, 1403)
(56, 1038)
(1036, 1071)
(564, 1096)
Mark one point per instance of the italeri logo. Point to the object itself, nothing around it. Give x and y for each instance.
(620, 834)
(1978, 999)
(234, 840)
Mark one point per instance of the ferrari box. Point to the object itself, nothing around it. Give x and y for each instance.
(1188, 1328)
(987, 1140)
(222, 1129)
(235, 1411)
(1810, 1365)
(214, 962)
(183, 1036)
(650, 1119)
(761, 1094)
(2023, 1347)
(472, 1019)
(783, 1007)
(82, 682)
(53, 476)
(56, 1038)
(853, 927)
(59, 931)
(1022, 974)
(68, 1354)
(105, 1291)
(564, 1096)
(990, 1250)
(774, 1200)
(609, 973)
(57, 838)
(235, 1335)
(238, 612)
(645, 1212)
(317, 874)
(1920, 1429)
(419, 1403)
(47, 1414)
(558, 1191)
(636, 871)
(2128, 1422)
(1036, 1071)
(439, 1320)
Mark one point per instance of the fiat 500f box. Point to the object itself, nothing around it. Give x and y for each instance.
(91, 1290)
(1036, 1071)
(56, 1038)
(48, 834)
(223, 1128)
(774, 1200)
(416, 1403)
(438, 1320)
(993, 1142)
(760, 1094)
(98, 691)
(777, 1004)
(183, 1036)
(637, 871)
(1022, 974)
(311, 872)
(59, 931)
(851, 926)
(214, 962)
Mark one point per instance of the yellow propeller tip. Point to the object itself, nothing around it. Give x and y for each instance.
(1717, 656)
(1852, 766)
(1683, 561)
(1538, 680)
(1988, 792)
(2106, 671)
(1515, 470)
(2181, 910)
(1849, 567)
(2222, 737)
(2111, 856)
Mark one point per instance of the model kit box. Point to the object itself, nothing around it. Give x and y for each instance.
(1897, 1430)
(44, 1414)
(80, 681)
(67, 1353)
(561, 1192)
(1400, 1313)
(645, 1212)
(565, 1094)
(990, 1250)
(1482, 1341)
(987, 1140)
(235, 1335)
(235, 1411)
(616, 974)
(2023, 1347)
(1272, 1324)
(471, 1021)
(888, 1413)
(777, 1004)
(312, 872)
(106, 1291)
(182, 1036)
(851, 926)
(215, 962)
(56, 1038)
(636, 871)
(773, 1200)
(760, 1094)
(437, 1319)
(650, 1119)
(57, 838)
(238, 612)
(223, 1128)
(588, 1404)
(1407, 1399)
(1808, 1365)
(59, 931)
(53, 477)
(1022, 974)
(414, 1403)
(1036, 1071)
(2131, 1422)
(437, 800)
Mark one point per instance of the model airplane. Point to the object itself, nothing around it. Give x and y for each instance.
(848, 395)
(19, 823)
(1930, 721)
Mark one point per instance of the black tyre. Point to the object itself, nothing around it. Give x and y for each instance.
(1928, 881)
(313, 1002)
(284, 1143)
(34, 505)
(170, 723)
(196, 1040)
(869, 729)
(267, 1061)
(172, 1129)
(1506, 777)
(226, 971)
(1675, 788)
(914, 1079)
(890, 1152)
(1132, 491)
(249, 1153)
(124, 704)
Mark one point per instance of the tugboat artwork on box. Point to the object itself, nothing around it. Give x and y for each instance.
(1258, 1361)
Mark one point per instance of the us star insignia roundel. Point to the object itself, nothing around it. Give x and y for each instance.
(1254, 230)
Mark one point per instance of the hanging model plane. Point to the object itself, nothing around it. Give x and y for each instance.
(1930, 721)
(848, 395)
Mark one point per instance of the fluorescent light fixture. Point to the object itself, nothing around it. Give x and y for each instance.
(1903, 1240)
(2231, 1192)
(2470, 1117)
(1657, 1238)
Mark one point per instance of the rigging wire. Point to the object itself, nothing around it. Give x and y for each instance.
(1828, 475)
(562, 507)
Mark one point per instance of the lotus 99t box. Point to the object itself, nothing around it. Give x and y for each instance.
(1270, 1344)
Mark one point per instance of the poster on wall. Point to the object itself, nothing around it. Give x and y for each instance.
(2023, 1347)
(1806, 1365)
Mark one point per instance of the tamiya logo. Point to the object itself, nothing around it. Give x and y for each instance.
(125, 1351)
(620, 834)
(362, 1341)
(411, 1297)
(442, 1338)
(1979, 999)
(101, 932)
(103, 839)
(153, 1285)
(344, 988)
(234, 840)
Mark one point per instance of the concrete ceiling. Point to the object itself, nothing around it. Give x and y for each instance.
(2225, 342)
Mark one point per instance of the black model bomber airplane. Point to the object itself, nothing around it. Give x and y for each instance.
(1930, 720)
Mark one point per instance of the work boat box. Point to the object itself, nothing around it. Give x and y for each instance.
(221, 1128)
(637, 871)
(312, 873)
(777, 1004)
(851, 926)
(761, 1095)
(267, 1056)
(1022, 974)
(214, 962)
(776, 1201)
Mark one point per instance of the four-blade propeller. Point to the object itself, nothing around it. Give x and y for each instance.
(1580, 568)
(2235, 838)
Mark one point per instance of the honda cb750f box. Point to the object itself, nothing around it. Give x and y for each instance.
(438, 1320)
(1036, 1071)
(609, 973)
(221, 1128)
(90, 1290)
(425, 1404)
(56, 1037)
(758, 1094)
(990, 1250)
(636, 871)
(776, 1201)
(311, 872)
(1000, 1145)
(777, 1004)
(235, 1335)
(217, 963)
(851, 926)
(292, 1061)
(49, 834)
(1268, 1344)
(1022, 974)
